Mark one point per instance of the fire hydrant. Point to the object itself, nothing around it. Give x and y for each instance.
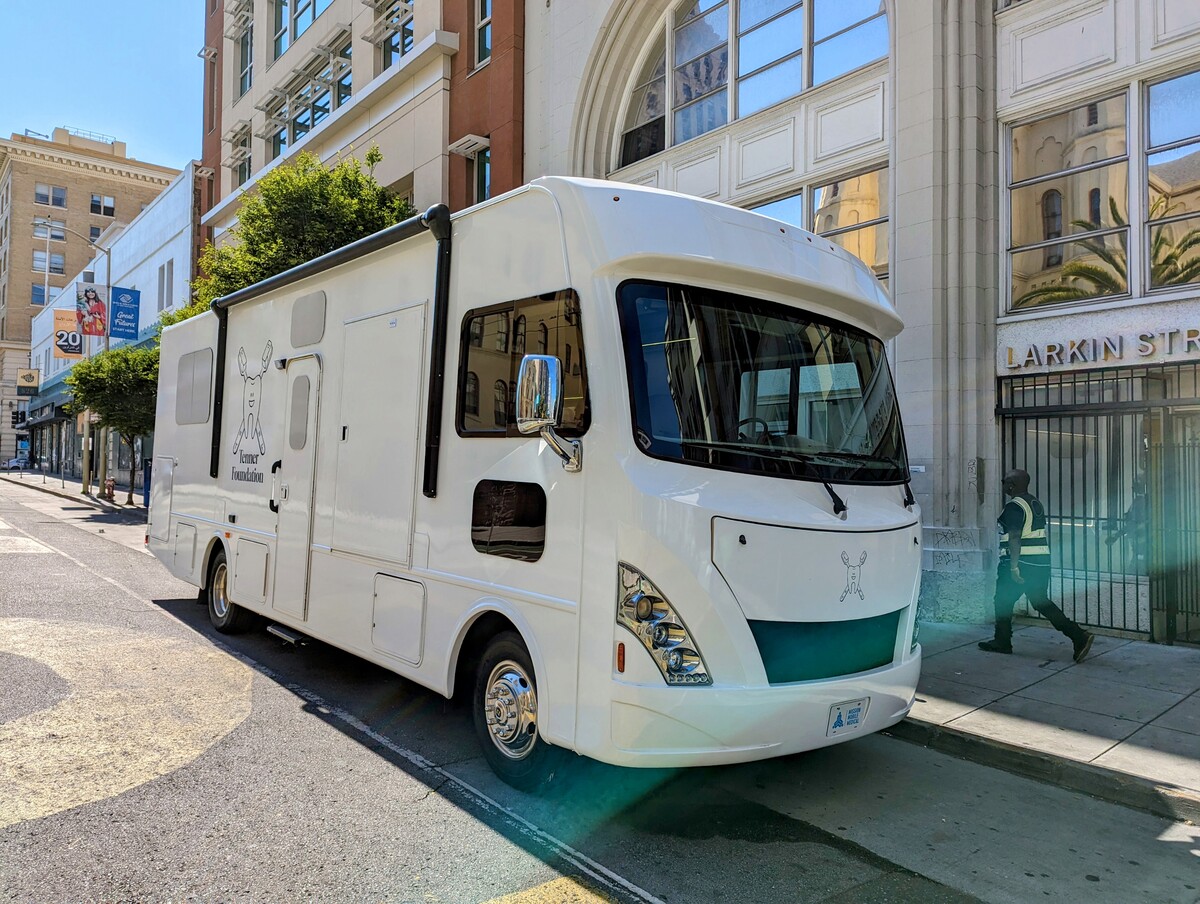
(110, 486)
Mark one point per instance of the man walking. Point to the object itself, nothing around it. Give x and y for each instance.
(1025, 569)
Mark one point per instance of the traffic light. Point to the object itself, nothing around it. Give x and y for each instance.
(16, 418)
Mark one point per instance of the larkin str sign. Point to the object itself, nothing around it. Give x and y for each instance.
(1165, 343)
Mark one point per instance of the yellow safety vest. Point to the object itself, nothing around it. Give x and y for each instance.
(1035, 546)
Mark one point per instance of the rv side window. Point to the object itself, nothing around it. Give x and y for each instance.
(508, 519)
(193, 387)
(493, 344)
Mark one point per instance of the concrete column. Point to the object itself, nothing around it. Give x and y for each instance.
(944, 265)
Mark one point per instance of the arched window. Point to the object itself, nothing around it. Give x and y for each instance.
(476, 335)
(1052, 225)
(783, 48)
(543, 339)
(519, 336)
(471, 394)
(1094, 207)
(501, 411)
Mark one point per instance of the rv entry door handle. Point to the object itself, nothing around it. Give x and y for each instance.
(283, 492)
(272, 504)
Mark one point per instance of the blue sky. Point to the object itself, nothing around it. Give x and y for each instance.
(124, 68)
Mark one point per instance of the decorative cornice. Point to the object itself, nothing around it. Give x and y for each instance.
(135, 170)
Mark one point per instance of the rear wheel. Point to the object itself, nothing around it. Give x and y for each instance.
(226, 617)
(505, 708)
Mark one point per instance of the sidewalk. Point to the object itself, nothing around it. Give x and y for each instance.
(70, 488)
(1123, 725)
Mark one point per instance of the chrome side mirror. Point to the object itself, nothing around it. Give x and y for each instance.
(539, 406)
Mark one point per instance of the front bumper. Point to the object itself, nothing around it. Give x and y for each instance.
(708, 726)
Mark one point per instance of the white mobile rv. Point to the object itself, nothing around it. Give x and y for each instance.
(624, 466)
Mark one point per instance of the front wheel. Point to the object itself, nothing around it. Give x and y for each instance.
(505, 708)
(226, 617)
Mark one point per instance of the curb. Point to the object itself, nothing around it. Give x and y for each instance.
(86, 499)
(1137, 793)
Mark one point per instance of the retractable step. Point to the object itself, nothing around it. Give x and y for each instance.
(292, 637)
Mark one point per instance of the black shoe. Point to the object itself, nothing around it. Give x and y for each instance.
(1083, 647)
(994, 646)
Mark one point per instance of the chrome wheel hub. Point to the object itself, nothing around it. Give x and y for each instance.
(220, 601)
(511, 710)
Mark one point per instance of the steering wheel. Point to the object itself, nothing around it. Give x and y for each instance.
(763, 435)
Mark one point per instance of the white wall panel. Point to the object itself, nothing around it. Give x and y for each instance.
(847, 124)
(1067, 43)
(766, 153)
(1172, 20)
(700, 175)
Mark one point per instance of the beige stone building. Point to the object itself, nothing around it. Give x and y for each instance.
(80, 185)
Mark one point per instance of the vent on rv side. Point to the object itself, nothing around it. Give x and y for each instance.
(308, 319)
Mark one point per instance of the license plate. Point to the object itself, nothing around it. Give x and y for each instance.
(847, 717)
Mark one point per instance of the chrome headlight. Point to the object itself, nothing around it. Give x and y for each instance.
(646, 612)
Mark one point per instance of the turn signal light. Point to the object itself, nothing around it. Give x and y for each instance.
(645, 612)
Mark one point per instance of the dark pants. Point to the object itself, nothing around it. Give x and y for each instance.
(1037, 580)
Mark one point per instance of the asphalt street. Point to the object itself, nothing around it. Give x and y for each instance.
(143, 757)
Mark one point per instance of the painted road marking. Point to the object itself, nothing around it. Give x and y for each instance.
(563, 890)
(22, 545)
(126, 721)
(4, 525)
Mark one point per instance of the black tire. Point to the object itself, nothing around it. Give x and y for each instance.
(226, 617)
(506, 688)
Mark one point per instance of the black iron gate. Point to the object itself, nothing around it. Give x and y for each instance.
(1114, 455)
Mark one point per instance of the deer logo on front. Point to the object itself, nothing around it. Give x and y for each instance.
(251, 426)
(853, 576)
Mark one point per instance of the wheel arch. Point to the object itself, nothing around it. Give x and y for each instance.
(215, 542)
(487, 619)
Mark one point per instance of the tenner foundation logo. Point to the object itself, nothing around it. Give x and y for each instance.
(250, 433)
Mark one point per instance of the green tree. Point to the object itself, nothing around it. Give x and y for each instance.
(298, 211)
(121, 387)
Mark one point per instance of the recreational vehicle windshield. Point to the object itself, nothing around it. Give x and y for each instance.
(623, 468)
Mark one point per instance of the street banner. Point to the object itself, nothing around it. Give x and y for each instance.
(91, 309)
(27, 381)
(68, 341)
(126, 304)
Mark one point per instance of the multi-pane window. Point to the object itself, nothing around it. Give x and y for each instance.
(54, 195)
(483, 31)
(292, 19)
(1069, 205)
(55, 229)
(853, 214)
(245, 59)
(38, 295)
(310, 100)
(493, 347)
(392, 31)
(240, 158)
(1071, 199)
(57, 262)
(1173, 182)
(782, 48)
(103, 205)
(94, 233)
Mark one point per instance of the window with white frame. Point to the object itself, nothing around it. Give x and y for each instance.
(54, 195)
(55, 229)
(57, 262)
(94, 233)
(245, 59)
(38, 295)
(239, 157)
(166, 285)
(103, 205)
(281, 32)
(483, 31)
(781, 48)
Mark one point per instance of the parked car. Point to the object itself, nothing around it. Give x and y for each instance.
(16, 464)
